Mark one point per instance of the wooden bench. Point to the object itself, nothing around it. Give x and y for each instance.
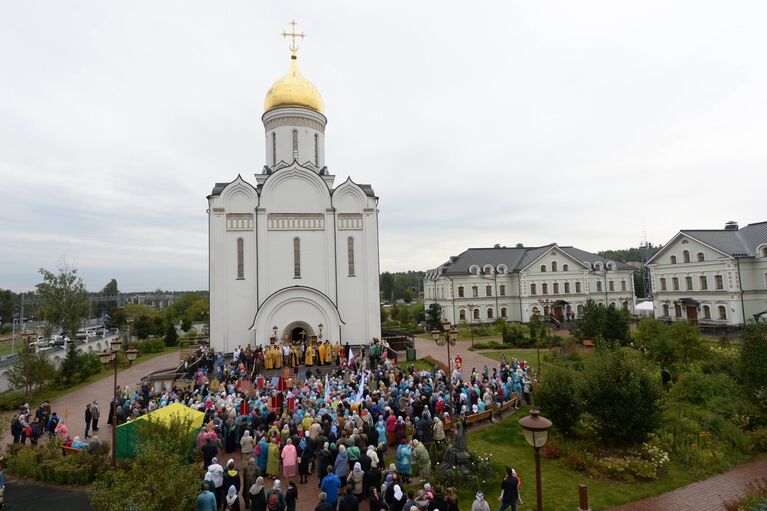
(476, 417)
(588, 343)
(68, 450)
(509, 404)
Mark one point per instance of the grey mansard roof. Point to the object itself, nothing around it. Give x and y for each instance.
(515, 258)
(743, 241)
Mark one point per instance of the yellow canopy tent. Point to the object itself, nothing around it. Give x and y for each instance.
(127, 434)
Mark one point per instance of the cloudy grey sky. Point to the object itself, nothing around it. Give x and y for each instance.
(585, 123)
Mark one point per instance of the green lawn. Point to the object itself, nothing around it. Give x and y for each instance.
(421, 365)
(507, 445)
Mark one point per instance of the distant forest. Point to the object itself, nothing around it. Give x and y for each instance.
(407, 286)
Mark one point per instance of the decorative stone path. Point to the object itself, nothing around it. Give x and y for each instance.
(705, 495)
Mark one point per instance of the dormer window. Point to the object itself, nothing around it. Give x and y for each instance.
(673, 259)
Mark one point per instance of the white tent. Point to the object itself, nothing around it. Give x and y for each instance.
(645, 309)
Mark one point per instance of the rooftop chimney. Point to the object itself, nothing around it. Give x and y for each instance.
(731, 226)
(497, 245)
(520, 245)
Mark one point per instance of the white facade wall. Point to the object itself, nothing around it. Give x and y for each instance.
(529, 290)
(293, 205)
(667, 298)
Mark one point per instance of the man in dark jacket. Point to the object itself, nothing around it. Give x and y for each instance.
(209, 451)
(324, 505)
(88, 419)
(349, 501)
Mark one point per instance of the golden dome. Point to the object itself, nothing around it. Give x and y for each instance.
(293, 90)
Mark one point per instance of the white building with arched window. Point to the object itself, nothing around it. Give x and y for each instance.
(515, 283)
(291, 250)
(712, 277)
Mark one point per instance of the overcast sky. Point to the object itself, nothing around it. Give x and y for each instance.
(582, 123)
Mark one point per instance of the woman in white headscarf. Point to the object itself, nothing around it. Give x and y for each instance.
(258, 495)
(356, 479)
(232, 499)
(247, 445)
(399, 499)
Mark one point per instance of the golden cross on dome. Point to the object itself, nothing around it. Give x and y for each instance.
(293, 34)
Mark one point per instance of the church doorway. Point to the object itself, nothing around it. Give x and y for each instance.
(297, 332)
(692, 314)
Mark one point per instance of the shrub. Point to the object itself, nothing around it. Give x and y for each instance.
(551, 451)
(558, 396)
(150, 346)
(473, 474)
(753, 357)
(698, 388)
(171, 336)
(513, 333)
(11, 400)
(622, 394)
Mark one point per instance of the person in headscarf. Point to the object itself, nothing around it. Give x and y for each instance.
(275, 499)
(398, 499)
(263, 454)
(231, 476)
(305, 454)
(216, 472)
(257, 495)
(273, 463)
(439, 430)
(247, 445)
(480, 504)
(341, 466)
(403, 455)
(356, 481)
(289, 460)
(206, 501)
(232, 502)
(422, 459)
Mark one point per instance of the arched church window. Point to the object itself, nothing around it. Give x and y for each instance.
(476, 313)
(296, 258)
(543, 268)
(316, 150)
(503, 312)
(489, 313)
(565, 267)
(686, 256)
(553, 266)
(350, 253)
(295, 144)
(240, 258)
(274, 149)
(462, 315)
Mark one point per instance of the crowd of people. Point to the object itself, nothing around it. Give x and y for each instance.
(333, 417)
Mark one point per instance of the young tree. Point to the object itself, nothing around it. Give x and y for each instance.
(687, 340)
(559, 397)
(622, 393)
(753, 358)
(616, 326)
(171, 336)
(656, 336)
(65, 300)
(592, 323)
(32, 370)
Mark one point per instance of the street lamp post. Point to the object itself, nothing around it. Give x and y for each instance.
(450, 336)
(471, 322)
(106, 357)
(536, 429)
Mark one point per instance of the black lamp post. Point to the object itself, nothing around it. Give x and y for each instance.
(450, 336)
(536, 428)
(106, 357)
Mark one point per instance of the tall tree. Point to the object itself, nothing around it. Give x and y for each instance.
(64, 298)
(111, 288)
(7, 305)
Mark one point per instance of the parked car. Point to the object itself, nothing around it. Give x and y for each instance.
(58, 340)
(39, 343)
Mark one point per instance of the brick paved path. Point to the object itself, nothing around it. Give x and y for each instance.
(704, 495)
(471, 359)
(71, 407)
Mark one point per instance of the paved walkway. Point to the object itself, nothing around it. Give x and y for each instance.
(71, 407)
(703, 495)
(471, 359)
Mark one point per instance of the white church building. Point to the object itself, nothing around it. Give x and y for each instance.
(293, 256)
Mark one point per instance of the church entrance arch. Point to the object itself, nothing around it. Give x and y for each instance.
(298, 332)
